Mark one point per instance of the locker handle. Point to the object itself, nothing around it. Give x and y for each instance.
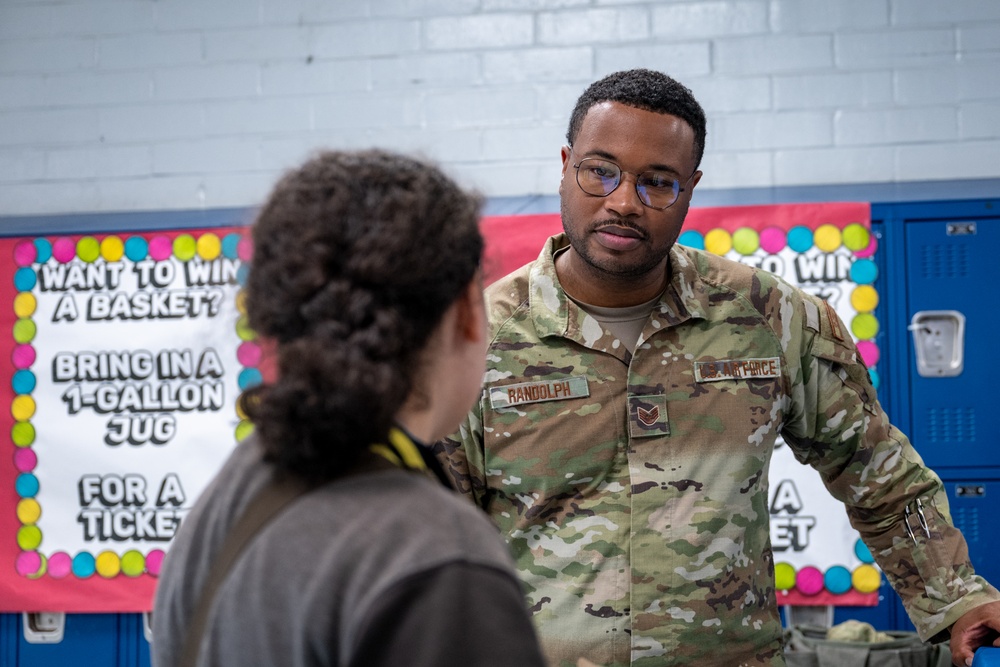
(43, 627)
(939, 341)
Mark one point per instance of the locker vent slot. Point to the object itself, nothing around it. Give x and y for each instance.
(944, 261)
(951, 425)
(967, 520)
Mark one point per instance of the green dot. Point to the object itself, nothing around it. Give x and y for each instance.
(864, 326)
(746, 241)
(88, 249)
(22, 434)
(29, 538)
(244, 331)
(185, 247)
(243, 429)
(784, 576)
(133, 563)
(856, 237)
(24, 330)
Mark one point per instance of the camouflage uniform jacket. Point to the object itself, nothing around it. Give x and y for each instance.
(632, 490)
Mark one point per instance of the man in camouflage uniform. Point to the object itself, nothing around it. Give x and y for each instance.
(634, 392)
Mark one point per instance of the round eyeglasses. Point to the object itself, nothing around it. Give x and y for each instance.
(599, 177)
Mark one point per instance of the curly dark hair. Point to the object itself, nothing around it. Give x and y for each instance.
(357, 255)
(643, 89)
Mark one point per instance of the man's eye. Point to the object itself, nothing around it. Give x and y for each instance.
(660, 181)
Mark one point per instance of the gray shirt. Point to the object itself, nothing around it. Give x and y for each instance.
(377, 568)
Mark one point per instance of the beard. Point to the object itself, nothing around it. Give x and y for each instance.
(635, 264)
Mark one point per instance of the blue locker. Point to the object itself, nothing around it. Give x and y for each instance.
(89, 640)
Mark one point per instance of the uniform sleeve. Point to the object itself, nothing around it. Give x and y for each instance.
(463, 459)
(458, 615)
(896, 503)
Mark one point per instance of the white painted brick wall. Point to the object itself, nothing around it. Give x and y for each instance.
(124, 105)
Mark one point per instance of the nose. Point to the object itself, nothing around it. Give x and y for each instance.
(624, 201)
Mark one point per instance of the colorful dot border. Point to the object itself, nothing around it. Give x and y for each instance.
(809, 580)
(31, 562)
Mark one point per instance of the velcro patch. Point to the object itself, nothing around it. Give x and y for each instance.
(535, 392)
(737, 369)
(647, 416)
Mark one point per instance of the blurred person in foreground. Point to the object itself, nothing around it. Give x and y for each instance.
(634, 393)
(365, 275)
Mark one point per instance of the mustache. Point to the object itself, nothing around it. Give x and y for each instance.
(620, 222)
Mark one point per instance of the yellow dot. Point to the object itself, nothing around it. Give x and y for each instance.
(112, 248)
(22, 407)
(864, 298)
(784, 576)
(133, 563)
(243, 430)
(864, 326)
(241, 302)
(243, 330)
(24, 330)
(746, 241)
(25, 304)
(718, 241)
(108, 564)
(185, 247)
(209, 246)
(866, 579)
(29, 538)
(42, 569)
(856, 237)
(88, 249)
(28, 510)
(827, 238)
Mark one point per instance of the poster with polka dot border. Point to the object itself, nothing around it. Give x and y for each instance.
(123, 356)
(827, 249)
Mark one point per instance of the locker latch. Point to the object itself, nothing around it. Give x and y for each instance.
(939, 340)
(43, 627)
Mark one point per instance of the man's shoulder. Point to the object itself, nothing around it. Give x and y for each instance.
(505, 296)
(723, 272)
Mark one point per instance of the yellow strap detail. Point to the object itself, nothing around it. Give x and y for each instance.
(387, 454)
(402, 452)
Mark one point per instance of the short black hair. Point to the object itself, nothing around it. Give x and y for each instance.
(643, 89)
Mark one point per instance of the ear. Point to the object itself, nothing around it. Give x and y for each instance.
(697, 177)
(470, 313)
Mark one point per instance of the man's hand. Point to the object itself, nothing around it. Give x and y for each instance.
(979, 626)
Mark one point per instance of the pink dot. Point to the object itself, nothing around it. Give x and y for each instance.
(248, 354)
(27, 563)
(154, 561)
(244, 249)
(870, 250)
(25, 253)
(869, 352)
(23, 356)
(809, 580)
(64, 250)
(772, 239)
(60, 564)
(160, 248)
(25, 459)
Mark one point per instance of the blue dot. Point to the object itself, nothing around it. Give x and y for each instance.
(692, 239)
(44, 250)
(242, 273)
(26, 485)
(837, 580)
(230, 246)
(876, 379)
(25, 279)
(800, 238)
(249, 377)
(84, 564)
(136, 248)
(862, 552)
(864, 272)
(23, 382)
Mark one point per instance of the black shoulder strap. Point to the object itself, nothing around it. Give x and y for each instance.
(265, 505)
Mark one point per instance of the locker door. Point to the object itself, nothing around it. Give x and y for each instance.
(953, 265)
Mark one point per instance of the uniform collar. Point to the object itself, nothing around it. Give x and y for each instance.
(555, 314)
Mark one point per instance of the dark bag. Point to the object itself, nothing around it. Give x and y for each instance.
(807, 646)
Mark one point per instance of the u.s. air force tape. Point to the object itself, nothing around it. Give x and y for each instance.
(534, 392)
(737, 369)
